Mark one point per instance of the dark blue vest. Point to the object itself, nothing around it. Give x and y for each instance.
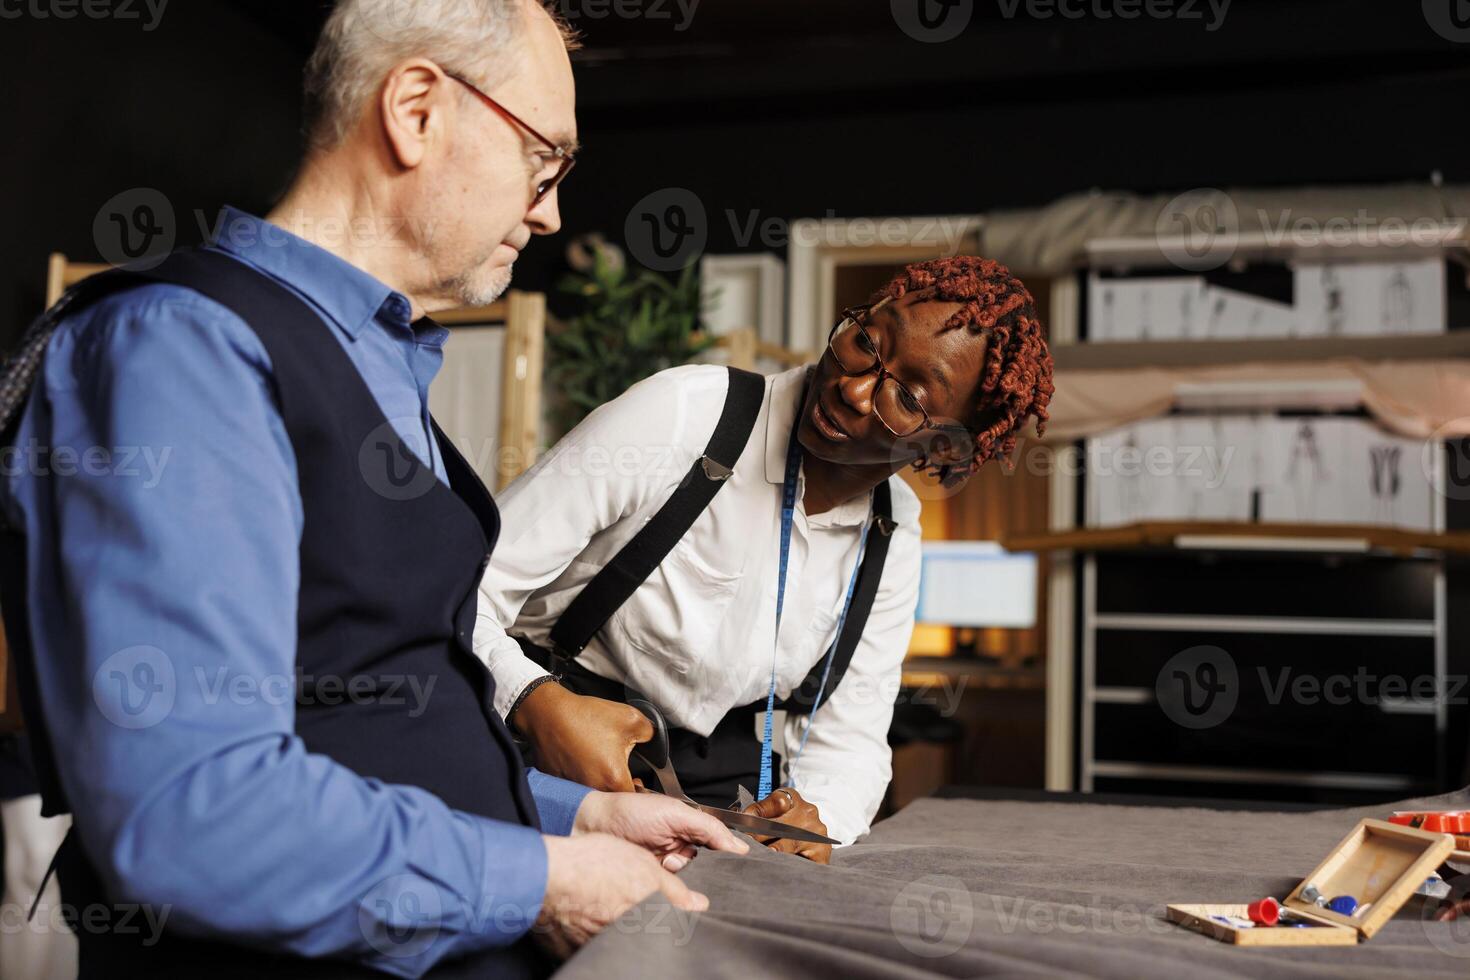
(390, 562)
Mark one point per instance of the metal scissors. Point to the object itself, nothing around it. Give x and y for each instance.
(655, 753)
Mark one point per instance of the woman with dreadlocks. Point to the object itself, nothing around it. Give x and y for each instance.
(730, 547)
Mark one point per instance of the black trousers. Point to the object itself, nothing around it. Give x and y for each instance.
(711, 768)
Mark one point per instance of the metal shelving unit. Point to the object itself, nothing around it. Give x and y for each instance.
(1266, 599)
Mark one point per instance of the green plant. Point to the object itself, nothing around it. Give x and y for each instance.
(630, 324)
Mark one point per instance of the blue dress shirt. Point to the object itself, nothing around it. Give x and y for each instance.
(167, 517)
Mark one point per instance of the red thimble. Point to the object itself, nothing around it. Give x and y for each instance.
(1265, 912)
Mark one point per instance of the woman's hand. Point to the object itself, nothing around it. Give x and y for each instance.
(584, 739)
(787, 806)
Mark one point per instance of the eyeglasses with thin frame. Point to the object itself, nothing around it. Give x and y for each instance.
(568, 158)
(856, 353)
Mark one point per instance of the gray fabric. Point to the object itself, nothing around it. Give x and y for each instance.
(1017, 889)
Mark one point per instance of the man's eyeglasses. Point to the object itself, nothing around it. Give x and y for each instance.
(567, 158)
(899, 409)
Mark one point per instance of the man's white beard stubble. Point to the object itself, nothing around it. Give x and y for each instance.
(481, 288)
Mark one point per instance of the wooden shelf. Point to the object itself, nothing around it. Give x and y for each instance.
(1207, 535)
(1123, 355)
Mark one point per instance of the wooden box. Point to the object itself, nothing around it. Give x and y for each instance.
(1379, 863)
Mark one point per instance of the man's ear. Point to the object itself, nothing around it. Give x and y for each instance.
(414, 95)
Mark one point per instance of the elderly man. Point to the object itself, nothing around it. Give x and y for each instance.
(251, 672)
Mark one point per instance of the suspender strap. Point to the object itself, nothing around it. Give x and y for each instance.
(620, 578)
(810, 694)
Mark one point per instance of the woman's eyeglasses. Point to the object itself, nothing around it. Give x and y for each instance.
(856, 352)
(567, 158)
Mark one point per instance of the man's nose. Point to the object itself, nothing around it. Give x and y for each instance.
(545, 217)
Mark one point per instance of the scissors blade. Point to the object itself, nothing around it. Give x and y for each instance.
(752, 824)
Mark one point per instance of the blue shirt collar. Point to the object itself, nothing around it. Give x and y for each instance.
(341, 290)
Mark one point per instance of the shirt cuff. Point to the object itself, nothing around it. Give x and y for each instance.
(557, 801)
(415, 922)
(512, 674)
(515, 880)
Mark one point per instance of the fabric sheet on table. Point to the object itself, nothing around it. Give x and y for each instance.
(966, 888)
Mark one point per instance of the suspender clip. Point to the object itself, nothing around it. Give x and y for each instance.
(715, 470)
(886, 525)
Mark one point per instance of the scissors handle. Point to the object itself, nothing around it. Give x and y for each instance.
(656, 750)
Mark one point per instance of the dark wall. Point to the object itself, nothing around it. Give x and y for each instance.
(762, 109)
(202, 108)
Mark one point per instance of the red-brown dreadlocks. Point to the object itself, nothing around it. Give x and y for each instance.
(1016, 380)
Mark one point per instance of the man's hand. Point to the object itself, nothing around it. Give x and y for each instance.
(787, 806)
(593, 879)
(669, 829)
(586, 740)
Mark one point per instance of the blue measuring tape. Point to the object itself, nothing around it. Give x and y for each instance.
(788, 517)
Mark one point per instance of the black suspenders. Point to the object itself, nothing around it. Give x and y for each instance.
(620, 578)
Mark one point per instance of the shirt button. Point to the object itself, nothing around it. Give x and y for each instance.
(397, 306)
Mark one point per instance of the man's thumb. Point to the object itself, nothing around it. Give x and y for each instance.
(681, 895)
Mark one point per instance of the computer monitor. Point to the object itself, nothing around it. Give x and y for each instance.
(976, 584)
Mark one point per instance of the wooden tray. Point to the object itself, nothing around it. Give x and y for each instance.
(1201, 919)
(1378, 863)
